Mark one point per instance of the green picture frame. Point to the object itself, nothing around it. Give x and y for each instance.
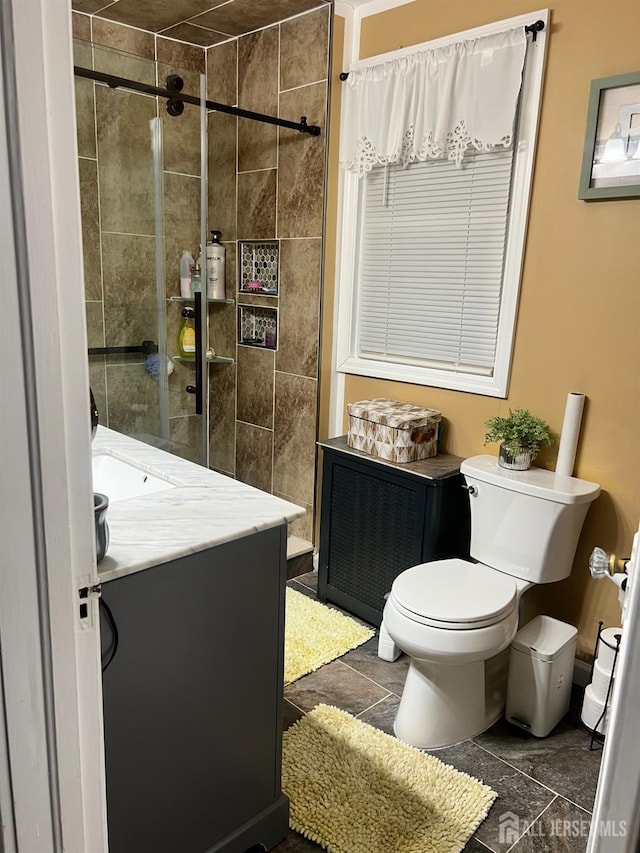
(611, 156)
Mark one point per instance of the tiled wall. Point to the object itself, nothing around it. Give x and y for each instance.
(264, 183)
(267, 183)
(116, 189)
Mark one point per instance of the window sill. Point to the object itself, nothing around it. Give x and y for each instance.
(490, 386)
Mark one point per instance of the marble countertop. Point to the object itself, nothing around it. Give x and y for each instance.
(203, 510)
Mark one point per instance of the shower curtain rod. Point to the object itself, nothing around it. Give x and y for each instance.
(534, 29)
(174, 95)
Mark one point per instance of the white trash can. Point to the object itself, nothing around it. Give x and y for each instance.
(540, 675)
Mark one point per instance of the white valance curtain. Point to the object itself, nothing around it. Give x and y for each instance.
(433, 104)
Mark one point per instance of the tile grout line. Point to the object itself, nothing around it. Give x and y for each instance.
(572, 802)
(517, 769)
(304, 85)
(279, 306)
(297, 707)
(251, 172)
(129, 234)
(357, 716)
(257, 426)
(381, 686)
(357, 671)
(528, 827)
(482, 843)
(181, 174)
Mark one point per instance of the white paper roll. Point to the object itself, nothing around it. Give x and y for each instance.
(592, 711)
(607, 648)
(600, 683)
(570, 434)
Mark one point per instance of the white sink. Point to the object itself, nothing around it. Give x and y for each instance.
(119, 480)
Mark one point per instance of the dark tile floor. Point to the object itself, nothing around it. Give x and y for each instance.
(546, 787)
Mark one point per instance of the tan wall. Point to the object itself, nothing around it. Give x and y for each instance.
(578, 317)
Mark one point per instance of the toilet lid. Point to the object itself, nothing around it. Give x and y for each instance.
(456, 592)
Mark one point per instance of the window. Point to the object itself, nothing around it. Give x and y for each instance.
(432, 253)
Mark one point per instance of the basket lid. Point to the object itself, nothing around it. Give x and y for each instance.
(393, 413)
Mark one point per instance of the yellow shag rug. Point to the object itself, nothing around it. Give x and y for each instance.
(355, 789)
(315, 634)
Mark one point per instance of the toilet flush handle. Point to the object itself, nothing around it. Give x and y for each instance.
(471, 489)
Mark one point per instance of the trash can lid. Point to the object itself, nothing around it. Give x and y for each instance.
(544, 638)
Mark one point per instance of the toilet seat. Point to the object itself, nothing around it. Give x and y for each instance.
(454, 594)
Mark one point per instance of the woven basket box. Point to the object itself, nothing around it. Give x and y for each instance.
(399, 432)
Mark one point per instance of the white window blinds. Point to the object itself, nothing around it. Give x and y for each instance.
(431, 261)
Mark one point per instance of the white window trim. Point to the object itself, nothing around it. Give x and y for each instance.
(495, 386)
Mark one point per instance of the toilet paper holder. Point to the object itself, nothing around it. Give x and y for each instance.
(615, 649)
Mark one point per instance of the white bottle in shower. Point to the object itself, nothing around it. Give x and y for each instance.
(186, 268)
(215, 267)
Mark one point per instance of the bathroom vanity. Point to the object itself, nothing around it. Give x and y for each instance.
(378, 518)
(193, 693)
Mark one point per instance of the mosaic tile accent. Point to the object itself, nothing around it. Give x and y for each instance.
(258, 327)
(258, 269)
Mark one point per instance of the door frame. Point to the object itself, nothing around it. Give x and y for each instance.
(51, 746)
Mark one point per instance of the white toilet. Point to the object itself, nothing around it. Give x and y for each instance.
(457, 618)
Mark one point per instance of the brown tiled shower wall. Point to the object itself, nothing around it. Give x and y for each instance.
(264, 183)
(267, 183)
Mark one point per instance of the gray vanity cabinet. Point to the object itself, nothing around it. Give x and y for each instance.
(193, 701)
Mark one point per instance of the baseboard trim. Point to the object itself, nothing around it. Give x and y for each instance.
(581, 673)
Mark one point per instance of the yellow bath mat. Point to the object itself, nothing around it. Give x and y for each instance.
(355, 789)
(315, 634)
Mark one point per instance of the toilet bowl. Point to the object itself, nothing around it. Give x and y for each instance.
(450, 616)
(456, 618)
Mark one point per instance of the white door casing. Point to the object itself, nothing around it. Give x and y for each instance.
(51, 762)
(615, 826)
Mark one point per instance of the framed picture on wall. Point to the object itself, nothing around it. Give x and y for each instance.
(611, 158)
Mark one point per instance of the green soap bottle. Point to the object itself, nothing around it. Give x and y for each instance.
(187, 334)
(196, 276)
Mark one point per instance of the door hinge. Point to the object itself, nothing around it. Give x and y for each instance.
(83, 593)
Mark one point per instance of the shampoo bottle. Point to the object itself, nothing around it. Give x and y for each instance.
(186, 266)
(215, 267)
(187, 334)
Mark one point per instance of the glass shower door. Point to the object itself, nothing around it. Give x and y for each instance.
(142, 183)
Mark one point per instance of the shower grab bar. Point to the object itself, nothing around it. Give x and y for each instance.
(146, 347)
(173, 95)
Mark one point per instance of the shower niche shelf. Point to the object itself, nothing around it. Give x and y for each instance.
(258, 327)
(259, 267)
(209, 300)
(214, 359)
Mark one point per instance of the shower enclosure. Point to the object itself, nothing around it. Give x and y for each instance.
(154, 183)
(143, 156)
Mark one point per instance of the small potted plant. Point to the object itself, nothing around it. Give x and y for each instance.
(521, 434)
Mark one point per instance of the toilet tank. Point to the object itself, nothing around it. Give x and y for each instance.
(525, 523)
